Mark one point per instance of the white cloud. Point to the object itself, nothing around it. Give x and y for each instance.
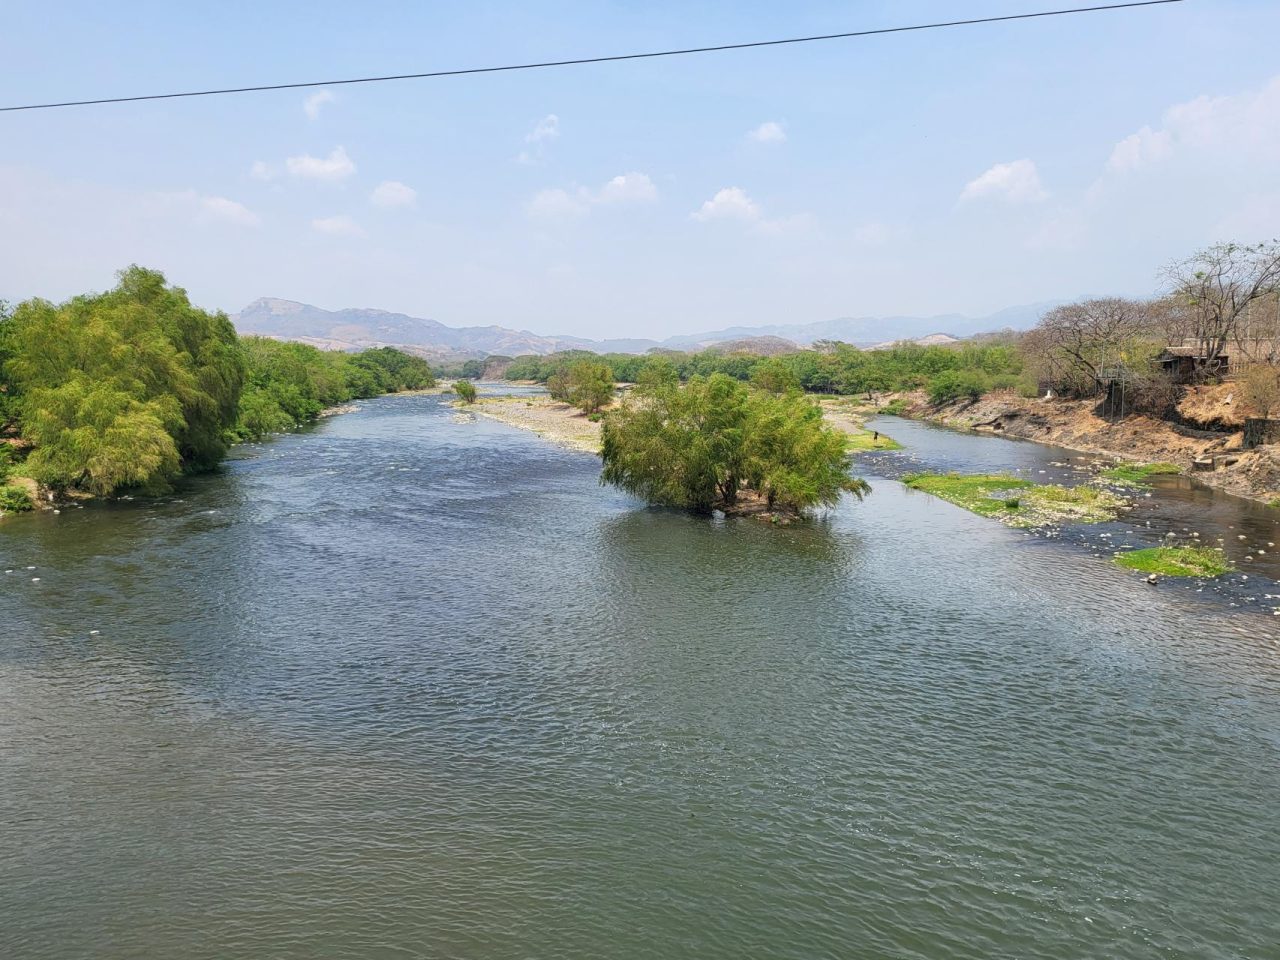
(768, 132)
(339, 226)
(1242, 125)
(312, 104)
(336, 166)
(627, 188)
(200, 208)
(543, 132)
(1139, 149)
(1014, 182)
(548, 128)
(731, 203)
(556, 204)
(227, 211)
(393, 193)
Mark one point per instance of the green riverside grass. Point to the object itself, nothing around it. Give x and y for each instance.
(866, 440)
(1019, 502)
(1177, 561)
(1137, 474)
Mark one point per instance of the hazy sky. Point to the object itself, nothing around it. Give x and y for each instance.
(951, 171)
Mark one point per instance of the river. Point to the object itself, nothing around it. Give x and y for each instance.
(414, 685)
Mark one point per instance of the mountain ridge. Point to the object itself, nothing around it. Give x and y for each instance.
(355, 328)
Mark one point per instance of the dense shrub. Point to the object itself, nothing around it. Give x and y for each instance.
(957, 384)
(14, 499)
(466, 391)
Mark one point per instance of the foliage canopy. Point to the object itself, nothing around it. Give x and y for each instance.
(715, 442)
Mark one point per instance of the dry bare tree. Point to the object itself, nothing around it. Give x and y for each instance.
(1217, 286)
(1073, 344)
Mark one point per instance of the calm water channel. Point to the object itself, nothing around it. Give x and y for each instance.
(407, 686)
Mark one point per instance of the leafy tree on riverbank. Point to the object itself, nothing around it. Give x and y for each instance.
(288, 384)
(714, 443)
(125, 388)
(466, 391)
(589, 386)
(133, 387)
(773, 375)
(8, 389)
(836, 368)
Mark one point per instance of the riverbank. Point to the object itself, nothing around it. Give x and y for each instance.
(1074, 424)
(43, 498)
(550, 419)
(564, 425)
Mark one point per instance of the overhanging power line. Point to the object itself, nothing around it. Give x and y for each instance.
(586, 60)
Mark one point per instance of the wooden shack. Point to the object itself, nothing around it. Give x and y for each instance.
(1190, 362)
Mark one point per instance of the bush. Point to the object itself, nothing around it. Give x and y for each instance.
(14, 499)
(957, 384)
(466, 391)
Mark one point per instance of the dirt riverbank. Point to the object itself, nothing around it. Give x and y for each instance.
(1211, 433)
(562, 424)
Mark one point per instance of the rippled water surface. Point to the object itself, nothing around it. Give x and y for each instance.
(405, 686)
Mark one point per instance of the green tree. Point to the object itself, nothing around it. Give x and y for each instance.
(125, 388)
(289, 384)
(466, 391)
(957, 384)
(793, 459)
(774, 375)
(589, 385)
(8, 389)
(706, 445)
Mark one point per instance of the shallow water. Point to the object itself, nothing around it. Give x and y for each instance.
(1170, 506)
(408, 686)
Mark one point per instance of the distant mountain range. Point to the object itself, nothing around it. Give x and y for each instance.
(357, 328)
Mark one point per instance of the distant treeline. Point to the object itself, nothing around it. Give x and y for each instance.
(133, 387)
(945, 372)
(1218, 315)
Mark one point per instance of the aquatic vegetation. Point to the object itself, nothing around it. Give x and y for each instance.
(1019, 502)
(864, 440)
(1137, 474)
(1177, 561)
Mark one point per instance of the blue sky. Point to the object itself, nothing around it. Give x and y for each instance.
(953, 171)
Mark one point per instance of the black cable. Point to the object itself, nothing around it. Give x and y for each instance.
(584, 60)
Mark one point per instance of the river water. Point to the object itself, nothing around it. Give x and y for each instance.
(408, 685)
